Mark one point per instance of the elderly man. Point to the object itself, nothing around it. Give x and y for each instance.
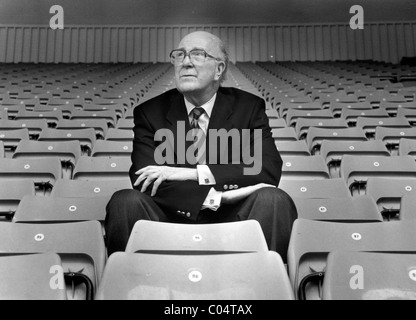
(208, 184)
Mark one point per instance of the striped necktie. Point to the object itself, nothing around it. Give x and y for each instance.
(198, 134)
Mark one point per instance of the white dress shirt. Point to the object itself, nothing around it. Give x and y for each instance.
(205, 176)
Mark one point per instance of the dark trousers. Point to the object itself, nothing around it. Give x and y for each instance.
(271, 207)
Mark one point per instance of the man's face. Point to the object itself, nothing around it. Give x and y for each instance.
(195, 77)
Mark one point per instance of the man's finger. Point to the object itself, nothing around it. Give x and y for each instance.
(141, 178)
(145, 169)
(148, 181)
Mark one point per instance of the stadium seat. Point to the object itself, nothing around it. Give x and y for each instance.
(337, 107)
(294, 115)
(286, 106)
(384, 276)
(117, 108)
(11, 192)
(138, 276)
(369, 125)
(292, 148)
(35, 209)
(356, 170)
(106, 148)
(393, 108)
(391, 137)
(65, 110)
(79, 244)
(125, 124)
(408, 207)
(315, 189)
(178, 238)
(348, 209)
(83, 188)
(108, 115)
(409, 114)
(332, 152)
(316, 136)
(34, 126)
(301, 168)
(52, 117)
(407, 147)
(67, 151)
(272, 114)
(351, 115)
(99, 125)
(311, 241)
(119, 135)
(86, 137)
(387, 193)
(303, 125)
(43, 172)
(284, 134)
(29, 277)
(102, 168)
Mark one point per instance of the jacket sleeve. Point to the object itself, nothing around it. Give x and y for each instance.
(267, 158)
(183, 198)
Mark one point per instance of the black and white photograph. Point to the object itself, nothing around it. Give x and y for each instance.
(208, 155)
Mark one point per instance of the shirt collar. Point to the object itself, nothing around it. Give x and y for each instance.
(207, 106)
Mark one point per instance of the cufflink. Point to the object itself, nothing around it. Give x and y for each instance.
(206, 181)
(211, 201)
(188, 214)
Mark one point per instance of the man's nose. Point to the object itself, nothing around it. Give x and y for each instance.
(187, 61)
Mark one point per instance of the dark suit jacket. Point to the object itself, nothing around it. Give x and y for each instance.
(233, 108)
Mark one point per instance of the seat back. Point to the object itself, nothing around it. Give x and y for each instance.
(152, 236)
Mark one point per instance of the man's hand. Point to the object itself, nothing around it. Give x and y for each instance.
(233, 196)
(158, 174)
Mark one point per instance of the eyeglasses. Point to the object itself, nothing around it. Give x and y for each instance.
(196, 56)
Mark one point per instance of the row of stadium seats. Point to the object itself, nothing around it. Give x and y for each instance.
(351, 175)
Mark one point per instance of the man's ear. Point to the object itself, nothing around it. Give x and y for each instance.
(220, 70)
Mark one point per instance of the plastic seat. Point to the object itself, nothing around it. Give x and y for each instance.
(117, 108)
(102, 168)
(86, 137)
(105, 148)
(137, 276)
(317, 135)
(126, 102)
(11, 109)
(316, 189)
(284, 134)
(292, 148)
(333, 151)
(65, 110)
(11, 192)
(356, 170)
(393, 107)
(28, 277)
(387, 193)
(391, 137)
(60, 209)
(108, 115)
(337, 107)
(67, 151)
(369, 125)
(178, 238)
(385, 276)
(409, 114)
(79, 244)
(272, 113)
(34, 126)
(277, 123)
(99, 125)
(119, 135)
(43, 172)
(286, 106)
(351, 115)
(83, 188)
(301, 168)
(125, 124)
(303, 125)
(407, 147)
(408, 207)
(52, 117)
(347, 209)
(311, 241)
(294, 114)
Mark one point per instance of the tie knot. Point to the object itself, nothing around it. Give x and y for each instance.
(197, 112)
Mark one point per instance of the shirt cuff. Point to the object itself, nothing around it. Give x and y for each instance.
(205, 176)
(213, 200)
